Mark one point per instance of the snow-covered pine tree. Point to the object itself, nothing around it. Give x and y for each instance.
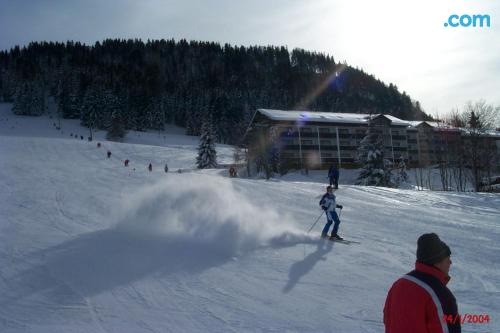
(376, 171)
(117, 129)
(207, 156)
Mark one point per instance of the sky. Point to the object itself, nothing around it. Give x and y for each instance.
(398, 41)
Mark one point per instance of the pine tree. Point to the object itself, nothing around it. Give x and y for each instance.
(376, 171)
(117, 127)
(91, 109)
(20, 100)
(207, 156)
(29, 99)
(68, 98)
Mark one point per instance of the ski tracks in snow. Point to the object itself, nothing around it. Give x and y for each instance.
(91, 309)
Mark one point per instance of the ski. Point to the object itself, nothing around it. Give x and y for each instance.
(344, 241)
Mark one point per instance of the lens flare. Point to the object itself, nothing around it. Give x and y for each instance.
(335, 80)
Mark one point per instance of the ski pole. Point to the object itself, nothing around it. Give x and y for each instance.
(315, 222)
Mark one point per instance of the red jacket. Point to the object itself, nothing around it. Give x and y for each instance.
(419, 301)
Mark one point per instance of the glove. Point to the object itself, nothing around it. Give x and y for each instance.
(324, 208)
(340, 206)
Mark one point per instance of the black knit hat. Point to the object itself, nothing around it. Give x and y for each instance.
(431, 249)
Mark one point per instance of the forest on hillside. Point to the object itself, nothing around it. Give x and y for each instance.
(130, 84)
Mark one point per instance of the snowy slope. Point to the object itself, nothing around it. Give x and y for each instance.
(87, 245)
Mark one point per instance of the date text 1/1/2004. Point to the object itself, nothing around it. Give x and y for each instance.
(466, 318)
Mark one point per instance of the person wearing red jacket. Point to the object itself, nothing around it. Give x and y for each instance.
(420, 302)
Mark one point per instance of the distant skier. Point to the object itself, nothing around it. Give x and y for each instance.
(98, 145)
(126, 162)
(333, 174)
(166, 168)
(328, 204)
(109, 154)
(150, 167)
(232, 172)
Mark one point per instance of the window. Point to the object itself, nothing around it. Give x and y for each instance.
(344, 143)
(343, 131)
(324, 130)
(306, 129)
(326, 142)
(307, 142)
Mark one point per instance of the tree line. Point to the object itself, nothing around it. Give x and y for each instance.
(130, 84)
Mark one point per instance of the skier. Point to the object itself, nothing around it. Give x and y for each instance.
(150, 167)
(98, 145)
(232, 172)
(420, 300)
(333, 174)
(109, 154)
(166, 168)
(126, 162)
(328, 204)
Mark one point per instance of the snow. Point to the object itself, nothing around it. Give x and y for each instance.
(88, 245)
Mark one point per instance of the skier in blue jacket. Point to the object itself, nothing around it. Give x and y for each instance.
(328, 204)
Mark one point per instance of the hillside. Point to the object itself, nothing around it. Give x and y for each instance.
(87, 245)
(142, 85)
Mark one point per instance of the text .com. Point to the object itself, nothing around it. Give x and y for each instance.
(468, 21)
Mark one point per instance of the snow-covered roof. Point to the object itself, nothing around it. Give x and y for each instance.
(415, 122)
(439, 124)
(443, 126)
(327, 117)
(489, 133)
(493, 133)
(396, 121)
(436, 125)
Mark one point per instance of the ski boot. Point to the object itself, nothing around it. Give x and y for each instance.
(336, 237)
